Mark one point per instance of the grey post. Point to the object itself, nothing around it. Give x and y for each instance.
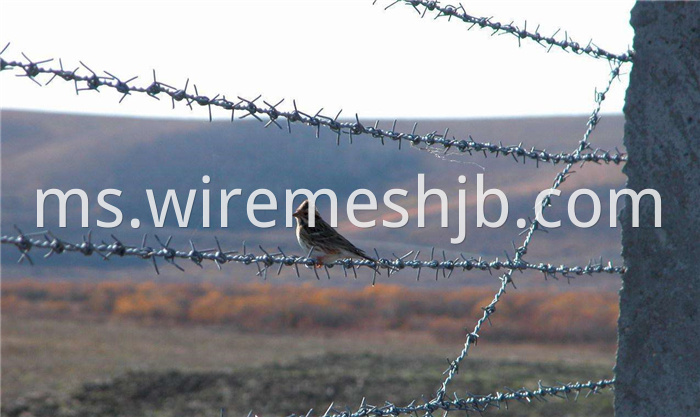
(658, 358)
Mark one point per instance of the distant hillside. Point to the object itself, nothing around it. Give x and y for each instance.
(42, 151)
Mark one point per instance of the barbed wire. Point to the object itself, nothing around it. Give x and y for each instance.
(472, 403)
(56, 246)
(274, 115)
(567, 44)
(534, 226)
(252, 108)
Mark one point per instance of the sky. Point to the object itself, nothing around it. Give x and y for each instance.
(330, 54)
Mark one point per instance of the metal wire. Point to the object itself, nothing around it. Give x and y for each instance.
(254, 109)
(522, 250)
(567, 44)
(473, 403)
(279, 259)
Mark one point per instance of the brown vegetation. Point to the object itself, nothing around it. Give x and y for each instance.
(534, 315)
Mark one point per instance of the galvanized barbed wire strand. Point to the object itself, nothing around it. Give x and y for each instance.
(534, 225)
(58, 246)
(32, 69)
(472, 403)
(251, 108)
(567, 44)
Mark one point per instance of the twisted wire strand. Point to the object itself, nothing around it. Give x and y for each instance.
(254, 109)
(474, 403)
(251, 108)
(265, 260)
(567, 44)
(522, 250)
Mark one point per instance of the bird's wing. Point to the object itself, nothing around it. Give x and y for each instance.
(330, 241)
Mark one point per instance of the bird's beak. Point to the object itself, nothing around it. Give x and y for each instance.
(296, 214)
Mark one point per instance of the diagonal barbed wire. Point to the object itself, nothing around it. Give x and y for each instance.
(270, 114)
(264, 260)
(257, 109)
(567, 44)
(473, 403)
(534, 226)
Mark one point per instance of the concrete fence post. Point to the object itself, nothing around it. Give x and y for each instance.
(658, 359)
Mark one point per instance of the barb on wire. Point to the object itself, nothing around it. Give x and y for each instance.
(271, 114)
(521, 251)
(56, 246)
(474, 403)
(257, 111)
(567, 44)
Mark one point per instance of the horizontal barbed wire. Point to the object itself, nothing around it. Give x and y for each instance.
(535, 225)
(252, 108)
(265, 260)
(472, 403)
(567, 44)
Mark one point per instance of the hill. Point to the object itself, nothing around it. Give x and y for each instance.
(42, 151)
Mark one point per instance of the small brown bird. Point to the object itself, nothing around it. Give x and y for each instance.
(328, 244)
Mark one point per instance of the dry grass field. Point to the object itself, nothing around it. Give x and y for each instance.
(57, 367)
(538, 315)
(137, 349)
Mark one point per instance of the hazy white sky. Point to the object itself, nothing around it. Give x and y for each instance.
(332, 53)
